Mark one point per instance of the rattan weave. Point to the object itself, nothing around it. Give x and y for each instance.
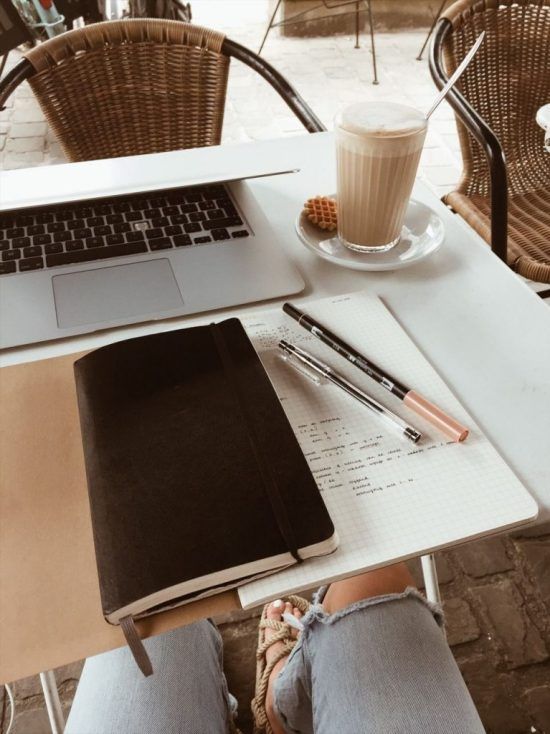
(508, 80)
(129, 87)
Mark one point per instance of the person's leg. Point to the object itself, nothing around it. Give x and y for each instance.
(373, 658)
(187, 693)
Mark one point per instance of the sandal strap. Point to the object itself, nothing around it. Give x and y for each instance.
(283, 633)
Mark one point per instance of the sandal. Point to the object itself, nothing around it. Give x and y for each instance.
(283, 633)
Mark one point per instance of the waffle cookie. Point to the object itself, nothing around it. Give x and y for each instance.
(322, 211)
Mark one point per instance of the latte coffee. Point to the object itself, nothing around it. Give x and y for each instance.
(378, 147)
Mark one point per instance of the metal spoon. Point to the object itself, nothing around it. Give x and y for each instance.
(460, 68)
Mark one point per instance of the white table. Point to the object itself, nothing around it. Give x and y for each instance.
(476, 322)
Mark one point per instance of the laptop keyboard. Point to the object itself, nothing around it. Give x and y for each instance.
(85, 231)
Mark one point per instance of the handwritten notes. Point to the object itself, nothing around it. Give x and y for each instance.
(389, 499)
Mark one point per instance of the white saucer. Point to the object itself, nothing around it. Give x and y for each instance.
(422, 234)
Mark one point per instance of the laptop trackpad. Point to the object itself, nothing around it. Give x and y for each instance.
(117, 292)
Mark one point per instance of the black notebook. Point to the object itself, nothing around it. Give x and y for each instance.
(196, 481)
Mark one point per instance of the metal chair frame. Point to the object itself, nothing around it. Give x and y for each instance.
(483, 134)
(299, 18)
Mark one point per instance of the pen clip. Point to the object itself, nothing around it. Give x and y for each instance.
(303, 369)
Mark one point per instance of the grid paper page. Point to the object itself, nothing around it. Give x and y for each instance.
(388, 498)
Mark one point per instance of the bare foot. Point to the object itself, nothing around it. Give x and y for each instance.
(275, 611)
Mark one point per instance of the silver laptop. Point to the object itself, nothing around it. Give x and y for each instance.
(78, 266)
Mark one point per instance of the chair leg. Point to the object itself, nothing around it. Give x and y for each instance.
(53, 702)
(270, 26)
(436, 18)
(373, 47)
(3, 63)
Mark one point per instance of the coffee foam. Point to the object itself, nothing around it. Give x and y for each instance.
(380, 119)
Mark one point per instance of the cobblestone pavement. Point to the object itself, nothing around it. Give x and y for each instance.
(496, 592)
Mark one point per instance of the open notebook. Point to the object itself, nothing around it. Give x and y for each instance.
(387, 497)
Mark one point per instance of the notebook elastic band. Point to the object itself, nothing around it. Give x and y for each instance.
(136, 645)
(270, 483)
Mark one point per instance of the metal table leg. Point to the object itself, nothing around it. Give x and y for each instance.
(53, 702)
(373, 49)
(429, 572)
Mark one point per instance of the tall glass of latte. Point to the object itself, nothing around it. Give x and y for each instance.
(378, 147)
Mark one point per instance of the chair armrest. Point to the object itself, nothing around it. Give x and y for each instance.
(484, 136)
(23, 70)
(300, 108)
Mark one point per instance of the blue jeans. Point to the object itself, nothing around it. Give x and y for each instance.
(380, 665)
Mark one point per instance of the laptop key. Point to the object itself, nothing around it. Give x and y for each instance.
(44, 217)
(36, 229)
(41, 239)
(32, 251)
(179, 219)
(31, 263)
(121, 206)
(222, 223)
(64, 215)
(198, 216)
(240, 233)
(11, 255)
(220, 234)
(134, 236)
(192, 227)
(62, 236)
(202, 240)
(6, 268)
(101, 230)
(207, 205)
(95, 221)
(160, 222)
(215, 214)
(76, 224)
(4, 245)
(114, 218)
(114, 239)
(121, 228)
(181, 240)
(186, 208)
(99, 253)
(21, 242)
(74, 245)
(56, 227)
(54, 247)
(174, 229)
(151, 234)
(93, 242)
(16, 232)
(160, 243)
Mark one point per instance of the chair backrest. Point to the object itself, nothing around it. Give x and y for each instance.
(133, 86)
(508, 80)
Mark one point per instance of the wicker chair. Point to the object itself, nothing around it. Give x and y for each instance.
(504, 191)
(139, 86)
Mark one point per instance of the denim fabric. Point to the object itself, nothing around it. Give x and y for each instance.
(380, 665)
(187, 694)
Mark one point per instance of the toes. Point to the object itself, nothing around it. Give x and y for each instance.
(275, 609)
(297, 613)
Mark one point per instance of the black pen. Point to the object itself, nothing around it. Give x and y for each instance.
(411, 399)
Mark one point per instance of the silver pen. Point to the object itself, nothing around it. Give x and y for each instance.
(318, 371)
